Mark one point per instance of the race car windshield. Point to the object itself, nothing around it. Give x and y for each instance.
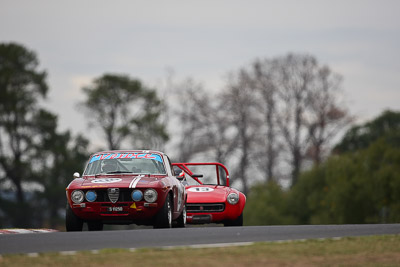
(208, 175)
(135, 163)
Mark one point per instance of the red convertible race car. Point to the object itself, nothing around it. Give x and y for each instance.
(209, 197)
(126, 187)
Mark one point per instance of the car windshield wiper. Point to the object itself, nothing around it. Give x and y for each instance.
(118, 172)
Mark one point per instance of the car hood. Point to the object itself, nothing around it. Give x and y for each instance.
(207, 193)
(121, 181)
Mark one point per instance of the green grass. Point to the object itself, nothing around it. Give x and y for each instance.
(357, 251)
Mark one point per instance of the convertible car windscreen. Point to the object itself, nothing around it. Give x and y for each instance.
(134, 163)
(209, 175)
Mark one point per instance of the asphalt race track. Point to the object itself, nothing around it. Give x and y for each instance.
(76, 241)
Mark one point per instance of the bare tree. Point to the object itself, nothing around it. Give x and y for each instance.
(262, 78)
(282, 108)
(189, 126)
(203, 127)
(221, 131)
(327, 114)
(241, 106)
(310, 113)
(296, 75)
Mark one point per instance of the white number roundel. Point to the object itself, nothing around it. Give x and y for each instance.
(200, 189)
(106, 180)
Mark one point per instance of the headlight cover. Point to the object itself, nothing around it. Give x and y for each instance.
(233, 198)
(137, 195)
(77, 196)
(150, 195)
(91, 196)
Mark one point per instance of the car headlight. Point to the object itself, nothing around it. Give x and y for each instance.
(91, 196)
(233, 198)
(137, 195)
(77, 196)
(150, 195)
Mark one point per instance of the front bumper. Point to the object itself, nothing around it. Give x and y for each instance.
(200, 213)
(121, 211)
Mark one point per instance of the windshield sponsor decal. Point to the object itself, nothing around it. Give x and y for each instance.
(126, 156)
(200, 189)
(106, 180)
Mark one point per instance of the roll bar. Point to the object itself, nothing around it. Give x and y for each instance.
(185, 168)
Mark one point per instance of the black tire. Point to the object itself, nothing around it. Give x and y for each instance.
(181, 221)
(164, 216)
(72, 222)
(237, 222)
(95, 226)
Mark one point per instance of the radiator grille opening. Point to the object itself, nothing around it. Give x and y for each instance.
(206, 207)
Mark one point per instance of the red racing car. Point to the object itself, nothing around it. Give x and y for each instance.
(209, 197)
(126, 187)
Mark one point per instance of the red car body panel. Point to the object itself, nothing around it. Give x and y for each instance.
(125, 210)
(208, 203)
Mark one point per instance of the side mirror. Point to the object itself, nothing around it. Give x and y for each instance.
(76, 175)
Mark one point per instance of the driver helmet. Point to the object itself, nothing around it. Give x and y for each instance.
(108, 165)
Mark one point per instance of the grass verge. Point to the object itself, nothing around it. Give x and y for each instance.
(355, 251)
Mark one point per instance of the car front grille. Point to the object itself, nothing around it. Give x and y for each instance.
(123, 196)
(113, 194)
(206, 207)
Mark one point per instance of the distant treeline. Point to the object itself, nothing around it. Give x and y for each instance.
(270, 118)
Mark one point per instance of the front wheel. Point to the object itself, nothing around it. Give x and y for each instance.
(72, 222)
(164, 216)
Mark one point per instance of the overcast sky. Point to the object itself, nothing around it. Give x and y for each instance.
(77, 41)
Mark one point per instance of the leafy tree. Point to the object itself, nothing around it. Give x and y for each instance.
(361, 186)
(59, 157)
(361, 136)
(356, 187)
(21, 87)
(36, 161)
(123, 108)
(267, 204)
